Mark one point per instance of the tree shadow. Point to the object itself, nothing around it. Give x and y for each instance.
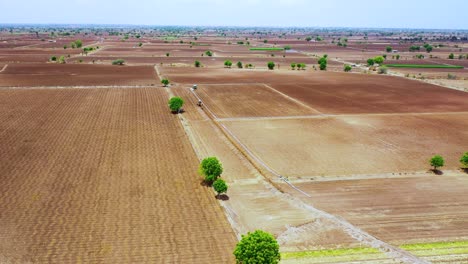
(437, 172)
(465, 170)
(205, 183)
(181, 111)
(222, 197)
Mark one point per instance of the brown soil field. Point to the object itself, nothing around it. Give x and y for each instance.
(249, 100)
(87, 177)
(342, 93)
(52, 74)
(360, 144)
(403, 210)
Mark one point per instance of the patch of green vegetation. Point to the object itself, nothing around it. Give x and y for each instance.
(427, 66)
(330, 253)
(437, 248)
(267, 49)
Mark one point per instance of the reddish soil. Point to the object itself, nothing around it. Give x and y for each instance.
(52, 74)
(249, 100)
(403, 210)
(87, 177)
(357, 144)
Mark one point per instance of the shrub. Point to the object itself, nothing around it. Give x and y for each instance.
(239, 65)
(370, 62)
(451, 56)
(383, 70)
(61, 60)
(257, 247)
(175, 104)
(118, 62)
(293, 65)
(271, 65)
(347, 68)
(209, 53)
(379, 59)
(389, 49)
(197, 64)
(53, 58)
(165, 82)
(168, 54)
(228, 63)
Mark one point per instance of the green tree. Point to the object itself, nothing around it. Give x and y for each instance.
(370, 62)
(118, 62)
(293, 65)
(211, 169)
(65, 46)
(239, 65)
(323, 66)
(318, 38)
(265, 41)
(379, 59)
(429, 48)
(220, 186)
(451, 56)
(437, 161)
(168, 54)
(165, 82)
(140, 44)
(323, 61)
(175, 104)
(53, 58)
(209, 53)
(78, 43)
(308, 38)
(397, 56)
(258, 247)
(389, 49)
(197, 64)
(228, 63)
(287, 47)
(464, 160)
(271, 65)
(347, 68)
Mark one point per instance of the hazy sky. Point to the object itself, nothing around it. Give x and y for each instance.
(447, 14)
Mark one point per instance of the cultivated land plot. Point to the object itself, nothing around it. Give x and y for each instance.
(102, 176)
(33, 75)
(354, 93)
(246, 100)
(398, 210)
(351, 145)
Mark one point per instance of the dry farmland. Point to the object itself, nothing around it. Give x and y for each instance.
(94, 168)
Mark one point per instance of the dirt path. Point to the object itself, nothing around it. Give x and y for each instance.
(350, 229)
(4, 68)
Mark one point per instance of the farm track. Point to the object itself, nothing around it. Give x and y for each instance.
(4, 68)
(86, 177)
(353, 231)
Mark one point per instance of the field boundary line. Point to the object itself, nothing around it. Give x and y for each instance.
(350, 229)
(292, 99)
(4, 68)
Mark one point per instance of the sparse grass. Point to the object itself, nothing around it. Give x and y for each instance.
(424, 66)
(330, 253)
(437, 248)
(267, 49)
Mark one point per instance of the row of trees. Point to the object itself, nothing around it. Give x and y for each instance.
(438, 161)
(375, 60)
(298, 65)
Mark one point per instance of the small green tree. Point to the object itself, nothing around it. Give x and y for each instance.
(239, 65)
(220, 186)
(397, 56)
(53, 58)
(347, 68)
(383, 69)
(175, 104)
(257, 248)
(211, 169)
(140, 44)
(65, 46)
(389, 49)
(293, 65)
(287, 47)
(265, 41)
(437, 161)
(78, 43)
(118, 62)
(379, 59)
(451, 56)
(323, 66)
(308, 38)
(429, 48)
(464, 160)
(370, 62)
(228, 64)
(168, 54)
(165, 82)
(301, 66)
(271, 65)
(197, 64)
(209, 53)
